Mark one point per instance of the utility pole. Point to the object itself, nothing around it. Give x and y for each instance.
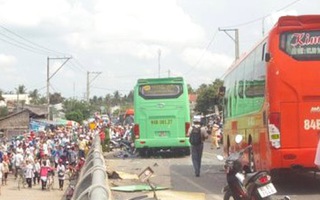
(49, 77)
(235, 39)
(90, 81)
(263, 26)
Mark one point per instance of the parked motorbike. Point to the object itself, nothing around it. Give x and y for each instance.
(246, 186)
(126, 147)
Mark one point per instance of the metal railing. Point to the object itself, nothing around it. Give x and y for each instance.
(93, 180)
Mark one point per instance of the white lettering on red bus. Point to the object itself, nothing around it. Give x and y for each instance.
(315, 109)
(304, 39)
(312, 124)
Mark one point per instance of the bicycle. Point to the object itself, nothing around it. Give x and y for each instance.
(21, 178)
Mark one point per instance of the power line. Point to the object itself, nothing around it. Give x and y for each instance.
(261, 18)
(30, 42)
(22, 47)
(19, 41)
(204, 52)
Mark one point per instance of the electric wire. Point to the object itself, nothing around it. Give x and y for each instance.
(261, 18)
(27, 43)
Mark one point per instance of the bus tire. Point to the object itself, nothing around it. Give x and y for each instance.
(142, 152)
(187, 151)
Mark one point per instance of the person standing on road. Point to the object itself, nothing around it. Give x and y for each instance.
(18, 161)
(29, 170)
(197, 147)
(44, 174)
(61, 174)
(36, 176)
(215, 134)
(5, 163)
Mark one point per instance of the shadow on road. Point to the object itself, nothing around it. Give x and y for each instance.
(297, 183)
(211, 180)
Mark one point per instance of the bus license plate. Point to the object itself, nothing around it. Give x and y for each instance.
(267, 190)
(162, 134)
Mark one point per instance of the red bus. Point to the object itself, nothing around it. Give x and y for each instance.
(272, 97)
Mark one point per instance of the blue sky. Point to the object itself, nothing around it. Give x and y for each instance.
(122, 40)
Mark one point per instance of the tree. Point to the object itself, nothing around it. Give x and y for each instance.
(56, 98)
(1, 97)
(130, 97)
(21, 89)
(35, 97)
(73, 107)
(3, 111)
(208, 97)
(75, 116)
(190, 90)
(116, 98)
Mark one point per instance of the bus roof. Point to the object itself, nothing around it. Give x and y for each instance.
(159, 80)
(301, 20)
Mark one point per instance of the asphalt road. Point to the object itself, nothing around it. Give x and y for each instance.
(177, 175)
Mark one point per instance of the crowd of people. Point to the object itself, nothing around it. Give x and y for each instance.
(35, 155)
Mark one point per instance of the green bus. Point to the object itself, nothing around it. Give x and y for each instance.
(162, 116)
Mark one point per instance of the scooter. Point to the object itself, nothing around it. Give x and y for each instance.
(246, 186)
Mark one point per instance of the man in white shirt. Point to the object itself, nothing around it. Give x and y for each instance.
(18, 161)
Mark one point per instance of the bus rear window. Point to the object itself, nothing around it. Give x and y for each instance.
(158, 91)
(303, 45)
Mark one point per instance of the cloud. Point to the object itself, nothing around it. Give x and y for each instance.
(205, 60)
(136, 28)
(32, 12)
(7, 63)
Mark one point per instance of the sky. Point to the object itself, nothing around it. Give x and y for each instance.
(117, 42)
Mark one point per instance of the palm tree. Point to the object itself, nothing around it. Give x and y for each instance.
(35, 97)
(1, 97)
(20, 90)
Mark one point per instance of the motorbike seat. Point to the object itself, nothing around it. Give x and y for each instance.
(248, 177)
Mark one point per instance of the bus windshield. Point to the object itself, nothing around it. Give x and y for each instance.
(301, 45)
(160, 91)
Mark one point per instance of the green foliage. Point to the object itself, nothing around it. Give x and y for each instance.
(208, 97)
(75, 116)
(3, 111)
(72, 106)
(56, 98)
(190, 90)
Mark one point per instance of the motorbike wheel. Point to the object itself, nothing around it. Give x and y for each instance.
(228, 195)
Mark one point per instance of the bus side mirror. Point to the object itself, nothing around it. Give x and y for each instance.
(267, 57)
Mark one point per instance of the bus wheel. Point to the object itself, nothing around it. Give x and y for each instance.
(187, 152)
(142, 153)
